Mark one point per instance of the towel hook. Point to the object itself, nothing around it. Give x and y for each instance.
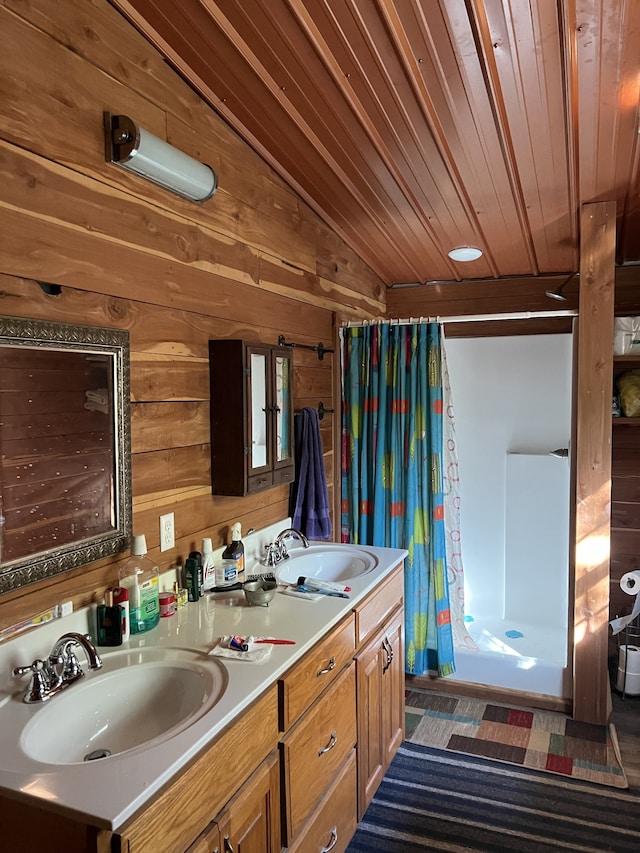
(322, 411)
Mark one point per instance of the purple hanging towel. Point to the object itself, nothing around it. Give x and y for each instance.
(308, 497)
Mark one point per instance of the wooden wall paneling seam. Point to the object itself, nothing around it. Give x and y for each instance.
(59, 196)
(160, 425)
(138, 275)
(156, 377)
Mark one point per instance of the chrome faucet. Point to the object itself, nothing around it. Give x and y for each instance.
(61, 669)
(289, 533)
(276, 551)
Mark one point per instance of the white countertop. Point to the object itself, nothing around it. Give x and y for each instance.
(107, 792)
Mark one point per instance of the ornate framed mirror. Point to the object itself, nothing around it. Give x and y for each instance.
(65, 448)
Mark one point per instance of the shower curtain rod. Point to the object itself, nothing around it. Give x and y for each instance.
(468, 318)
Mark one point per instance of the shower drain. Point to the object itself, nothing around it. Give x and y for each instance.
(96, 754)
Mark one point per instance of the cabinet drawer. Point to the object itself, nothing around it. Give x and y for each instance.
(332, 825)
(376, 609)
(259, 481)
(315, 749)
(283, 475)
(302, 685)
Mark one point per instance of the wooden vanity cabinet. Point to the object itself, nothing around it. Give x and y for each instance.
(315, 750)
(250, 823)
(380, 712)
(318, 721)
(380, 685)
(297, 768)
(251, 416)
(347, 692)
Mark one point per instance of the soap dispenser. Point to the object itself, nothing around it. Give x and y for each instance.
(141, 578)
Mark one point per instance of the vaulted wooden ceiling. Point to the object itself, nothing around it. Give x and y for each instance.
(417, 126)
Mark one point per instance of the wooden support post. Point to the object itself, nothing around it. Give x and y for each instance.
(594, 381)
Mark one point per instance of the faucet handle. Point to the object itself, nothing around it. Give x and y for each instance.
(72, 668)
(39, 686)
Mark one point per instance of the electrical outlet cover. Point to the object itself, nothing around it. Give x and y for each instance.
(167, 532)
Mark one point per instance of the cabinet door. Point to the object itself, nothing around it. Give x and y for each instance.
(251, 415)
(371, 752)
(251, 821)
(380, 685)
(393, 688)
(282, 367)
(207, 842)
(259, 410)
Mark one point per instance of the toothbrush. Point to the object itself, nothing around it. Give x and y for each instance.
(39, 619)
(315, 583)
(315, 591)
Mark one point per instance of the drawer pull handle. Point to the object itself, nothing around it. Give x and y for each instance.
(332, 843)
(386, 645)
(227, 845)
(333, 740)
(332, 665)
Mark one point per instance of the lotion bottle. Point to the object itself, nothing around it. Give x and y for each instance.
(141, 578)
(208, 569)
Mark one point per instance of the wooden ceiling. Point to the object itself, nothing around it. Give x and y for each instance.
(417, 126)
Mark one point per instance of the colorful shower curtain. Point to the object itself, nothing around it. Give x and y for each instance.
(392, 479)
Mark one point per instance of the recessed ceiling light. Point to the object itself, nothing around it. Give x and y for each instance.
(465, 253)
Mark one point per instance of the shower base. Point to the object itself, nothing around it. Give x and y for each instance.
(525, 657)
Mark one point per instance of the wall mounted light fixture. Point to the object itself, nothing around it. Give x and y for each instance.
(130, 146)
(557, 293)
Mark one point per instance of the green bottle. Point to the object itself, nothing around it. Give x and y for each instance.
(141, 577)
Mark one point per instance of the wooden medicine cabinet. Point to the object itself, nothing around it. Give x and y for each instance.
(251, 416)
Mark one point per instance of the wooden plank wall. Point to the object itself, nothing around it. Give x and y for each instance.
(253, 262)
(592, 463)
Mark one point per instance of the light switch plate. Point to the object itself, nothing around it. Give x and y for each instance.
(167, 532)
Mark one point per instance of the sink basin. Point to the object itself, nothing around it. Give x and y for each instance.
(328, 563)
(135, 700)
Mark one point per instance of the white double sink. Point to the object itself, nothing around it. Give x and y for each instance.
(128, 727)
(148, 694)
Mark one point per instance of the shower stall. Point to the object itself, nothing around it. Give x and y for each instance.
(512, 406)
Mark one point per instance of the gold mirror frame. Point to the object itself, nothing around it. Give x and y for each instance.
(37, 335)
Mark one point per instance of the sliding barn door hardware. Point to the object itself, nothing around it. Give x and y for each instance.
(321, 349)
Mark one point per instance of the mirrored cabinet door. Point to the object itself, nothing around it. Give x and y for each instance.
(258, 402)
(283, 407)
(251, 416)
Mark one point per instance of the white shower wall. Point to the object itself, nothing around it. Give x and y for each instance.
(512, 404)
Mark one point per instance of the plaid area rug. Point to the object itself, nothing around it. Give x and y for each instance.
(539, 740)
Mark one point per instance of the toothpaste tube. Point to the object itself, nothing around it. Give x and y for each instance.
(238, 644)
(330, 586)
